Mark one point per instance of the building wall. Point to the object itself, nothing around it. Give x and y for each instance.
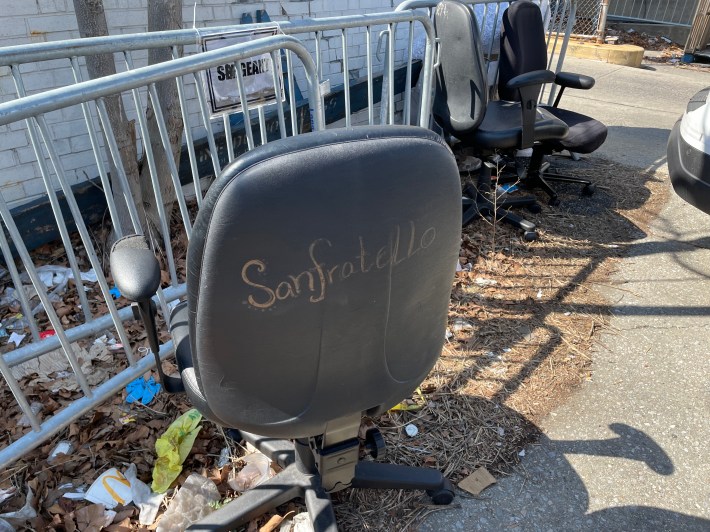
(51, 20)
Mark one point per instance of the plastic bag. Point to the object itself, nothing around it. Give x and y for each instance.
(194, 500)
(173, 447)
(255, 471)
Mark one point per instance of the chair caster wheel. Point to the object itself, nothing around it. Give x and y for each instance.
(375, 443)
(441, 497)
(588, 190)
(534, 208)
(529, 236)
(554, 201)
(234, 434)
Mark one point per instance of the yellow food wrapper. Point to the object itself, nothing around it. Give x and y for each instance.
(173, 447)
(404, 406)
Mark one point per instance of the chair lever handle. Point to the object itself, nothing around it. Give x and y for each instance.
(146, 311)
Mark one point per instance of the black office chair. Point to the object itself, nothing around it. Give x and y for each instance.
(463, 110)
(319, 273)
(524, 49)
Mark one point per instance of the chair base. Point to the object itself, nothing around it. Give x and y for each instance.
(538, 177)
(300, 479)
(541, 181)
(289, 484)
(477, 203)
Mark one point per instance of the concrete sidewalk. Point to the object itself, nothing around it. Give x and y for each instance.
(630, 450)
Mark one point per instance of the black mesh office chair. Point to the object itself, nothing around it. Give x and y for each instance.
(319, 273)
(524, 49)
(463, 110)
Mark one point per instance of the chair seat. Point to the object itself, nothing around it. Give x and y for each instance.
(501, 127)
(585, 133)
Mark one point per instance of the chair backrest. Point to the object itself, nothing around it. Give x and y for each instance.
(523, 47)
(461, 93)
(319, 277)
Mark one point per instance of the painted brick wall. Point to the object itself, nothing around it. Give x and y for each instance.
(50, 20)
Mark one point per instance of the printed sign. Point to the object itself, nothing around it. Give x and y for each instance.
(257, 73)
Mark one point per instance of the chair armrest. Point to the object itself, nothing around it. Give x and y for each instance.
(136, 273)
(528, 87)
(536, 77)
(134, 267)
(574, 81)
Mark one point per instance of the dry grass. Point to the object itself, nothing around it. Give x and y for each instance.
(523, 321)
(521, 345)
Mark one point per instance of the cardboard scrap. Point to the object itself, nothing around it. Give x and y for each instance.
(477, 481)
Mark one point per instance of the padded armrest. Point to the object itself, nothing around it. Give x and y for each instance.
(134, 267)
(536, 77)
(574, 81)
(527, 87)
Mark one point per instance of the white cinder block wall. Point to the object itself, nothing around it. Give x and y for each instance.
(25, 21)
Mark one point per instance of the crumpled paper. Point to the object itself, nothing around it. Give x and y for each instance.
(148, 502)
(110, 489)
(173, 447)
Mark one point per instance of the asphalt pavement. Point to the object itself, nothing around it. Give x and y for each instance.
(629, 451)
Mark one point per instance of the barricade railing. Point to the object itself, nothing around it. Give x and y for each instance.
(671, 12)
(559, 17)
(314, 31)
(136, 87)
(89, 96)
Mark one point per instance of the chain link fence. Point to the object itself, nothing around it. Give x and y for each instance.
(590, 17)
(587, 20)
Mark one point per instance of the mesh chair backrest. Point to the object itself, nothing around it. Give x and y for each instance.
(461, 83)
(522, 45)
(319, 276)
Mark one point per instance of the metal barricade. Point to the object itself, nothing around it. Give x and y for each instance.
(699, 31)
(136, 86)
(673, 12)
(559, 17)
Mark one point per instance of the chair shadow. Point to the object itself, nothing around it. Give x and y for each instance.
(629, 444)
(641, 145)
(625, 239)
(546, 476)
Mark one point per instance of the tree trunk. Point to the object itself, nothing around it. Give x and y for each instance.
(162, 15)
(91, 19)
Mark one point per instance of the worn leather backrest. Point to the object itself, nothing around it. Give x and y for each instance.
(319, 276)
(522, 45)
(461, 87)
